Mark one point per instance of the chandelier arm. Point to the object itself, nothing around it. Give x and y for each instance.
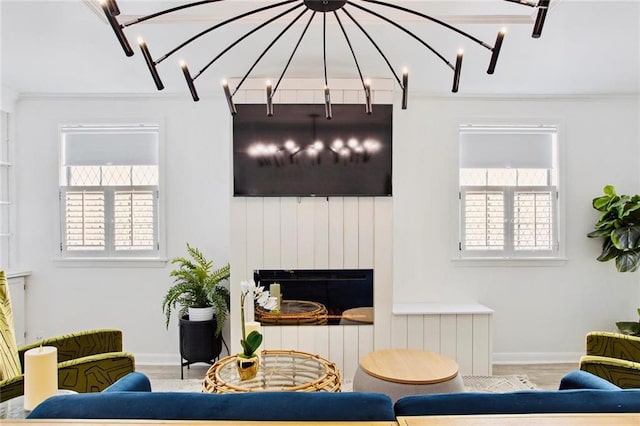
(324, 47)
(164, 12)
(350, 48)
(280, 15)
(523, 2)
(375, 45)
(228, 21)
(264, 52)
(432, 19)
(293, 53)
(421, 41)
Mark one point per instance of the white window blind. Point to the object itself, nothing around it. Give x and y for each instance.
(508, 191)
(109, 193)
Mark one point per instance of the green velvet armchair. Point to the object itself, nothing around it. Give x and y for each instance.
(614, 357)
(88, 361)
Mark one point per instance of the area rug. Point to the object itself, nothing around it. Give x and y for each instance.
(471, 383)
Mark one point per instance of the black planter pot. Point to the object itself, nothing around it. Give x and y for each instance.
(198, 342)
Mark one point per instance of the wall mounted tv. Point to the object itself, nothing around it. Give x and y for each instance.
(298, 152)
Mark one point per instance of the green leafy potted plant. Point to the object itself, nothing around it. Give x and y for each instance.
(629, 327)
(197, 286)
(619, 227)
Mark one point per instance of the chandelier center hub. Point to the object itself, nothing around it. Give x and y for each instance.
(324, 5)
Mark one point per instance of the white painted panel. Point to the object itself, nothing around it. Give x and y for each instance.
(306, 230)
(255, 96)
(336, 233)
(337, 97)
(399, 331)
(351, 233)
(382, 97)
(255, 235)
(351, 97)
(415, 332)
(288, 232)
(271, 233)
(431, 340)
(351, 357)
(365, 340)
(239, 269)
(321, 339)
(304, 96)
(318, 96)
(306, 339)
(17, 298)
(366, 232)
(289, 337)
(272, 337)
(287, 96)
(321, 233)
(464, 343)
(336, 346)
(448, 338)
(383, 271)
(482, 345)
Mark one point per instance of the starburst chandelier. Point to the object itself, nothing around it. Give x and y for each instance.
(336, 8)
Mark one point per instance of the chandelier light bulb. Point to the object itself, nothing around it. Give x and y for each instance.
(290, 145)
(352, 143)
(337, 144)
(318, 145)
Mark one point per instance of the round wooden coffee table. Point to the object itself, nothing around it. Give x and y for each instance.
(400, 372)
(279, 371)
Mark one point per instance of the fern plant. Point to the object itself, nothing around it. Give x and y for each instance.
(195, 285)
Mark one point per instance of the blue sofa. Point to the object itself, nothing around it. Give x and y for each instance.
(579, 392)
(131, 398)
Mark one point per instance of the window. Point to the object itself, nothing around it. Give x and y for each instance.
(109, 191)
(508, 191)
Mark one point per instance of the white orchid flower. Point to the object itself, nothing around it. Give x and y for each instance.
(271, 303)
(247, 286)
(262, 298)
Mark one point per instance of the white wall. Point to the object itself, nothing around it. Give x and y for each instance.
(63, 298)
(541, 312)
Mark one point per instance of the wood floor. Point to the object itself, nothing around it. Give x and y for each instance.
(544, 376)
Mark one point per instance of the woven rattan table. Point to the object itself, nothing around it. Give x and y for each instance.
(294, 312)
(279, 371)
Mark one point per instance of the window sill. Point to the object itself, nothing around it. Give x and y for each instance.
(110, 262)
(509, 261)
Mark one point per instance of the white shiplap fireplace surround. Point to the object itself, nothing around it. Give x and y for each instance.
(343, 233)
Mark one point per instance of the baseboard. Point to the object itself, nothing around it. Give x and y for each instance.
(536, 357)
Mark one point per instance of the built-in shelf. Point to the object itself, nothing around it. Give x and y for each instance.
(440, 309)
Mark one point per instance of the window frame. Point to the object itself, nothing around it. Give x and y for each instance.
(555, 257)
(110, 256)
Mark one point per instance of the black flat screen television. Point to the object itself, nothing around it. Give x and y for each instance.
(298, 152)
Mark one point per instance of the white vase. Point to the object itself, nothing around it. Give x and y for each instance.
(201, 314)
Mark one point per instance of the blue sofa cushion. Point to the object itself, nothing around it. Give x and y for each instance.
(579, 379)
(521, 402)
(274, 406)
(134, 382)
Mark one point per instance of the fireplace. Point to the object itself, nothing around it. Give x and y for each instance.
(319, 296)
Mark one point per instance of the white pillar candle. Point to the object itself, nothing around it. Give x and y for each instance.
(250, 326)
(40, 375)
(274, 290)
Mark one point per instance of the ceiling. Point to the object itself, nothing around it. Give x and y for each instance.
(66, 47)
